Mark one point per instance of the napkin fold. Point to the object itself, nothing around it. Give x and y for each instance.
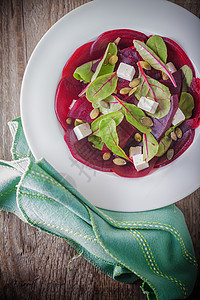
(154, 245)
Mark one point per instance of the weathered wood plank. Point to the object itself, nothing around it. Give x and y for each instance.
(33, 265)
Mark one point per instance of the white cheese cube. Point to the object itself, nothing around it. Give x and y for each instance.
(82, 131)
(125, 71)
(178, 117)
(171, 67)
(148, 105)
(134, 151)
(139, 163)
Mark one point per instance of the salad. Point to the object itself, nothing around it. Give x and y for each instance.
(128, 103)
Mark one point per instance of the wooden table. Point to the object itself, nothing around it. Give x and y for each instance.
(34, 264)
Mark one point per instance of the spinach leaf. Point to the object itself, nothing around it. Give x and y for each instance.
(102, 87)
(149, 56)
(109, 136)
(186, 104)
(187, 77)
(150, 146)
(116, 116)
(97, 141)
(133, 115)
(84, 72)
(113, 105)
(156, 90)
(104, 67)
(164, 145)
(157, 44)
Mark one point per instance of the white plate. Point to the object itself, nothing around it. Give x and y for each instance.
(44, 134)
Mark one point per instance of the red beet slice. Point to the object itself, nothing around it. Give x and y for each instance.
(161, 125)
(127, 36)
(67, 91)
(85, 153)
(195, 91)
(181, 145)
(81, 110)
(125, 130)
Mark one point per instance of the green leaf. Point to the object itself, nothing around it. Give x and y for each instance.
(186, 104)
(164, 145)
(113, 105)
(109, 136)
(116, 116)
(84, 72)
(172, 128)
(102, 87)
(150, 56)
(150, 146)
(187, 77)
(157, 44)
(104, 67)
(150, 87)
(133, 115)
(97, 141)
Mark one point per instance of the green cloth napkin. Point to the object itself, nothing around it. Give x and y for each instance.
(154, 245)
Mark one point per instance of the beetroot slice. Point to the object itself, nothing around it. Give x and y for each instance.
(81, 110)
(85, 153)
(181, 145)
(127, 36)
(80, 56)
(130, 171)
(161, 125)
(195, 91)
(67, 91)
(125, 130)
(177, 55)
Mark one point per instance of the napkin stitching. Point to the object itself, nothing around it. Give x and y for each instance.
(146, 250)
(118, 260)
(188, 256)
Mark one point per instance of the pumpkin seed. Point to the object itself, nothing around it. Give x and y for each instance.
(94, 113)
(170, 154)
(119, 161)
(106, 156)
(164, 76)
(138, 137)
(125, 90)
(173, 136)
(146, 121)
(145, 65)
(135, 82)
(179, 133)
(78, 122)
(113, 59)
(69, 121)
(104, 104)
(132, 91)
(117, 41)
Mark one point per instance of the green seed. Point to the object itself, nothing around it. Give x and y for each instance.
(145, 65)
(132, 91)
(135, 82)
(179, 133)
(170, 154)
(125, 91)
(69, 121)
(113, 59)
(146, 121)
(104, 104)
(119, 161)
(173, 136)
(106, 156)
(94, 113)
(138, 137)
(78, 122)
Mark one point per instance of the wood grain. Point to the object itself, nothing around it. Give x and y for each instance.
(33, 265)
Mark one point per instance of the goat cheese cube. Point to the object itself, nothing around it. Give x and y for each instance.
(134, 151)
(171, 67)
(125, 71)
(147, 104)
(82, 131)
(178, 117)
(139, 162)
